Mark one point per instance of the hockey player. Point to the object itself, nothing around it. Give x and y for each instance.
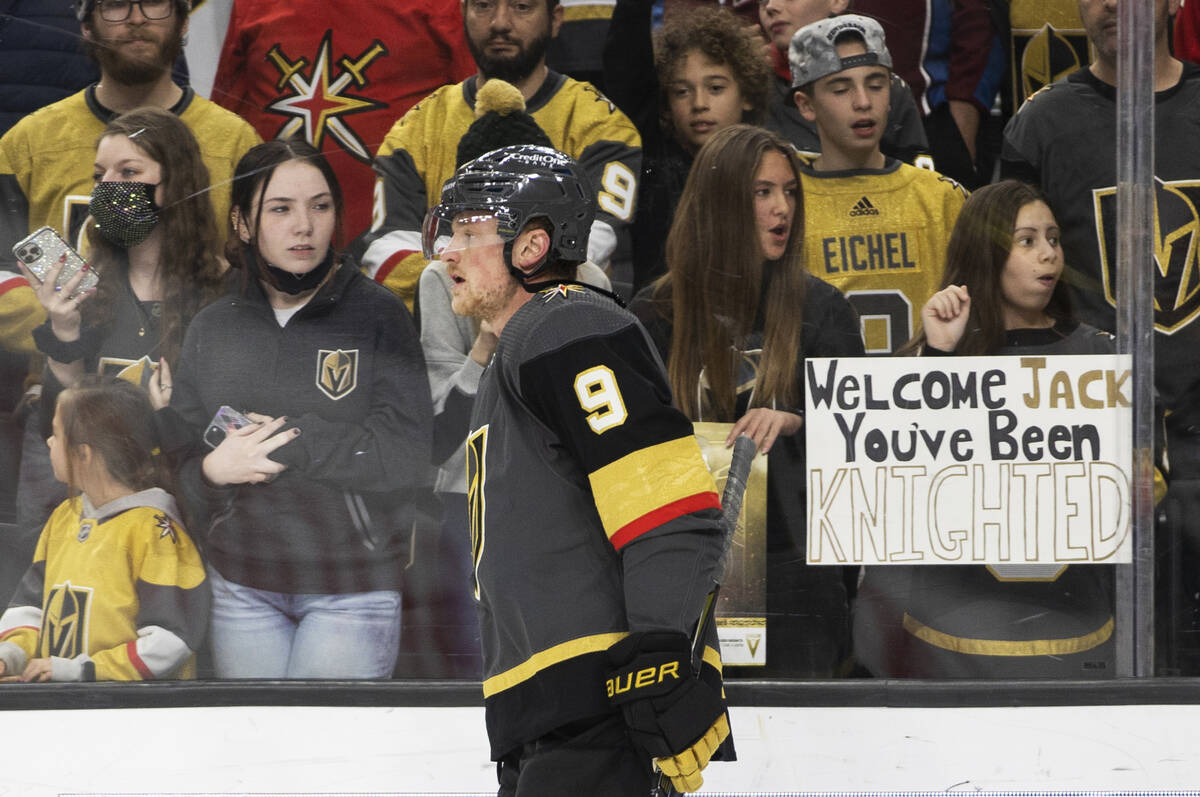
(880, 226)
(508, 39)
(593, 518)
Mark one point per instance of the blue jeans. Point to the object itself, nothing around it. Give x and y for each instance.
(260, 634)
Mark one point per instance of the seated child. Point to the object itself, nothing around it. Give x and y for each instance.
(117, 590)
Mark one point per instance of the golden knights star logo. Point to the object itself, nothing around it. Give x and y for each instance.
(337, 372)
(562, 290)
(319, 97)
(1177, 261)
(65, 622)
(166, 528)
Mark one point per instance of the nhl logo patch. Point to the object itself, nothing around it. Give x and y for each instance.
(337, 372)
(85, 531)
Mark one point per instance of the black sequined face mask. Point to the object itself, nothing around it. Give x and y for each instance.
(125, 212)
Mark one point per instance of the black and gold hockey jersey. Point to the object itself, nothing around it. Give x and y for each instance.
(999, 621)
(879, 236)
(1064, 139)
(120, 587)
(592, 513)
(46, 162)
(419, 153)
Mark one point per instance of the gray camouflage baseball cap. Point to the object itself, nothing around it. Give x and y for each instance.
(813, 52)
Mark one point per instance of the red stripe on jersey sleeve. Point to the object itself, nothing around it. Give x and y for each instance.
(136, 660)
(16, 282)
(389, 265)
(663, 514)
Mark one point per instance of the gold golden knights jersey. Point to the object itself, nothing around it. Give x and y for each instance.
(419, 154)
(121, 588)
(20, 313)
(46, 162)
(879, 236)
(591, 510)
(1046, 43)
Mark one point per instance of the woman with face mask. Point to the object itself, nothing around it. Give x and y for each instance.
(153, 239)
(307, 512)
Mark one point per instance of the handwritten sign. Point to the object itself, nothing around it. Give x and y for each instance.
(968, 460)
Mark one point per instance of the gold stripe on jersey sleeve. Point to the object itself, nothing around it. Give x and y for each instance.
(1006, 647)
(548, 658)
(576, 13)
(712, 658)
(638, 484)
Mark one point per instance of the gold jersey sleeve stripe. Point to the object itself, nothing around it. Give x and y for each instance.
(548, 658)
(577, 13)
(1005, 647)
(652, 486)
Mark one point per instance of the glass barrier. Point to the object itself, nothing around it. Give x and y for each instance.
(987, 486)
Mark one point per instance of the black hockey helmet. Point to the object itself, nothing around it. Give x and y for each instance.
(83, 8)
(516, 184)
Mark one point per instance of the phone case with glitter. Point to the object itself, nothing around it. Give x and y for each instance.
(43, 248)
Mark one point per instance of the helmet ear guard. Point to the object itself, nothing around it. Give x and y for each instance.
(516, 185)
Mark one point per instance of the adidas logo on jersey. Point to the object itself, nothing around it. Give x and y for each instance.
(863, 207)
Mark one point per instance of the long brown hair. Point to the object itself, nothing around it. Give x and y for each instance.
(190, 269)
(715, 277)
(976, 255)
(115, 419)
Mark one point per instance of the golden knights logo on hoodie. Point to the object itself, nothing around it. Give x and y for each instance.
(65, 623)
(1176, 250)
(337, 372)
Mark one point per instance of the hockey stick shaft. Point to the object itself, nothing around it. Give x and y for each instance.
(740, 463)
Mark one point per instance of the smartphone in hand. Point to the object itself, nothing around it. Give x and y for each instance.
(226, 420)
(43, 248)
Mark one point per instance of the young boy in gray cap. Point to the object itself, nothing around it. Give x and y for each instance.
(878, 227)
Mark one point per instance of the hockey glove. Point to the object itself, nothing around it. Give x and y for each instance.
(675, 717)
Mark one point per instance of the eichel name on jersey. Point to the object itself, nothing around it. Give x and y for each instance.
(579, 469)
(419, 153)
(120, 587)
(879, 236)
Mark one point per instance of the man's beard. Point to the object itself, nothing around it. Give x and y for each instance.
(135, 71)
(484, 304)
(513, 68)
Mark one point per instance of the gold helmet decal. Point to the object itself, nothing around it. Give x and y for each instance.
(1176, 245)
(64, 625)
(1042, 56)
(337, 372)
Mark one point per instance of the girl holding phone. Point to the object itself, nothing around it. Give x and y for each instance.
(307, 512)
